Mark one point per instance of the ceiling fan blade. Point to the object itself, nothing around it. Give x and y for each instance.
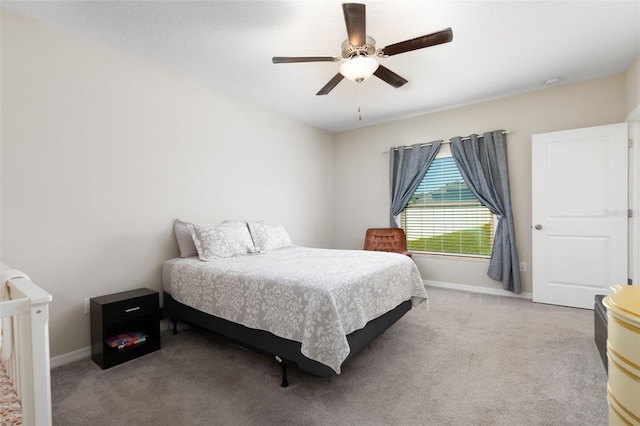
(331, 84)
(355, 19)
(292, 59)
(390, 77)
(440, 37)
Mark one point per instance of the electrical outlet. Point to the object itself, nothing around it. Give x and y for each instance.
(523, 266)
(87, 305)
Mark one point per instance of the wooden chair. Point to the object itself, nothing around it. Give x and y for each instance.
(386, 239)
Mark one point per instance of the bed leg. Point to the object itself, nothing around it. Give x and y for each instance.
(283, 364)
(174, 323)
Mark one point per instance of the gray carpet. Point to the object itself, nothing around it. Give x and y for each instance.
(471, 359)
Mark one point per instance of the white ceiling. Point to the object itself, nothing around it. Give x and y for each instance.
(499, 48)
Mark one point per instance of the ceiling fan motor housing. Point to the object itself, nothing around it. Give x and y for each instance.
(367, 49)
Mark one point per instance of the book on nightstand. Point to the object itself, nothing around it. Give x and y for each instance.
(126, 340)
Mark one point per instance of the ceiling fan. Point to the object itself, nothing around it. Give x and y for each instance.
(359, 51)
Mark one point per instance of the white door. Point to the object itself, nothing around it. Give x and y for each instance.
(579, 199)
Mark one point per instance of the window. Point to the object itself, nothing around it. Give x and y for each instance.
(444, 216)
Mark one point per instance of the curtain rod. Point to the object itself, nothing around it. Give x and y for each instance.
(504, 132)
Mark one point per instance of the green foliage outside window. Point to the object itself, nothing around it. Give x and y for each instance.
(468, 241)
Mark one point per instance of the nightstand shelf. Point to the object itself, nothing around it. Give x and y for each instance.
(129, 311)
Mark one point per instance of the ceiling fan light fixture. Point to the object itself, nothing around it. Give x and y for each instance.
(359, 68)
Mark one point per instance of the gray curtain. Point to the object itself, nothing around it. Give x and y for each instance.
(482, 161)
(407, 166)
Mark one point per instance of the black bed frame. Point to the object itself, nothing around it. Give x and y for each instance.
(284, 350)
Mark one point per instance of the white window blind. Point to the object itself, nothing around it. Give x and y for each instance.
(444, 216)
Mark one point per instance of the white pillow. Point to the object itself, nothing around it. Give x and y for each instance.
(228, 239)
(269, 237)
(185, 240)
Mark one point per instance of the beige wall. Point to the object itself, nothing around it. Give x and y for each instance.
(101, 152)
(633, 88)
(361, 168)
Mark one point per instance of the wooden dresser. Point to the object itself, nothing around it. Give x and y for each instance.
(623, 352)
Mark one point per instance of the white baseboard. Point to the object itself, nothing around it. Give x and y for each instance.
(85, 353)
(476, 289)
(68, 358)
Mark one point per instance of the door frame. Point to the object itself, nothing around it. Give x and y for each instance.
(634, 195)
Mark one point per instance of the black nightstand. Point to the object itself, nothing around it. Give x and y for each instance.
(114, 314)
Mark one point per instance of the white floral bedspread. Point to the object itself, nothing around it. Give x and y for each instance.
(313, 296)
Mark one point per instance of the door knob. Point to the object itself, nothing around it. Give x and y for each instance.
(538, 227)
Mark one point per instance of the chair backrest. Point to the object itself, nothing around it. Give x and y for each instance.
(386, 239)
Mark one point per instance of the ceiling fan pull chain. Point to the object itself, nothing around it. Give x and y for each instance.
(359, 102)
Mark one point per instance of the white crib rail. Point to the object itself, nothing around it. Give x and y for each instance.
(29, 366)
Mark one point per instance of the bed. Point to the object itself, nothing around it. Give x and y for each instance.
(314, 307)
